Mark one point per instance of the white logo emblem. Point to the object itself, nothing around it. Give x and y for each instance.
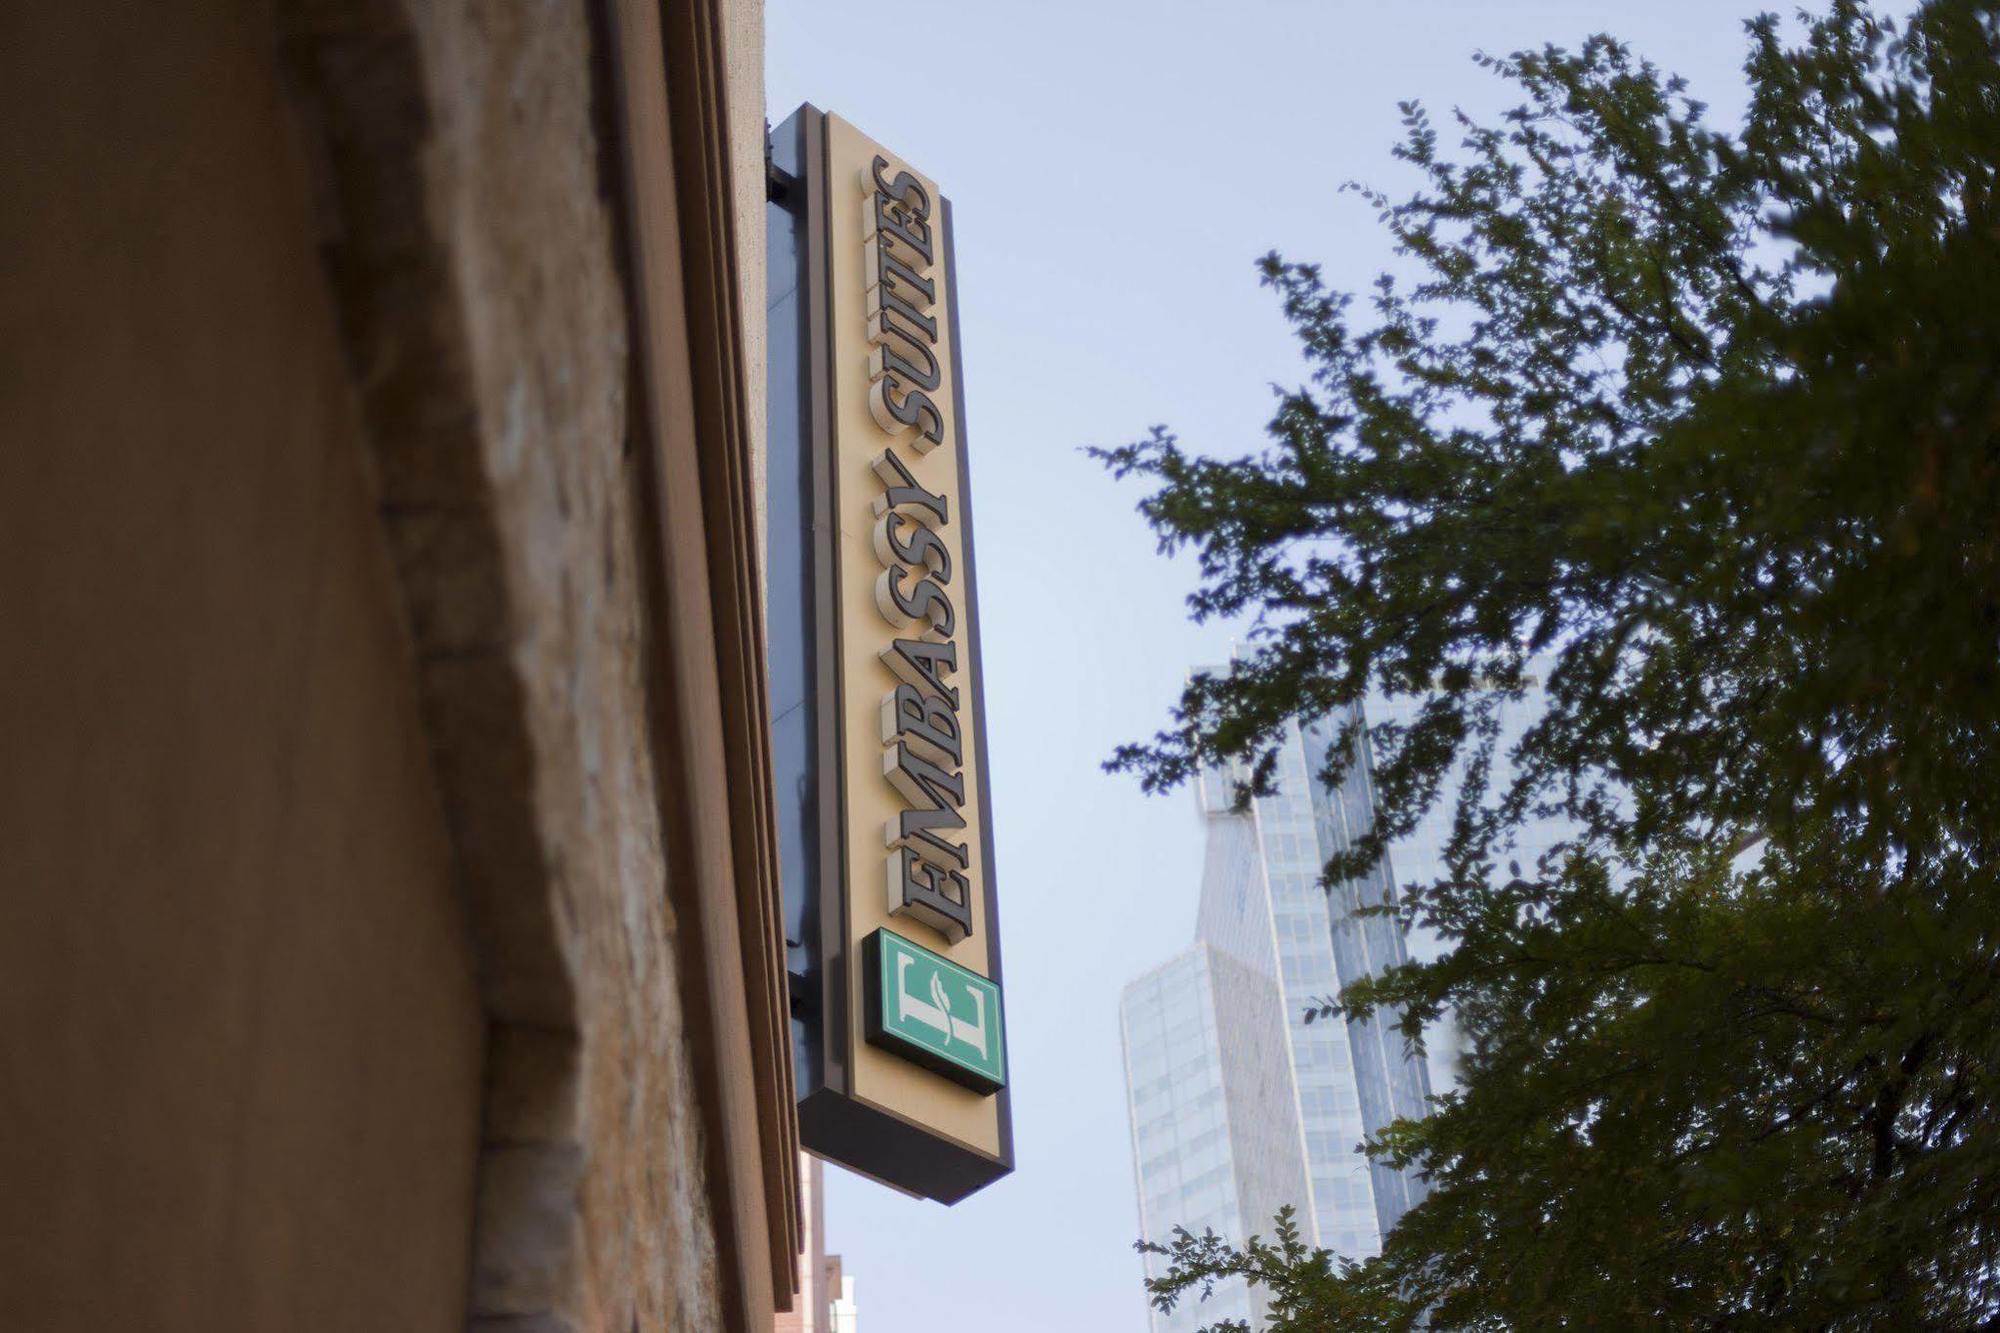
(936, 1012)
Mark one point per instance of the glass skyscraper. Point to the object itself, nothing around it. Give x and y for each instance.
(1419, 858)
(1238, 1105)
(1188, 1170)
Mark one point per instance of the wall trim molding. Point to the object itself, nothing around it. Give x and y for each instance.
(692, 424)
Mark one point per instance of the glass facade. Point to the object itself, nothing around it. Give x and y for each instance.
(1185, 1161)
(1238, 1104)
(1419, 858)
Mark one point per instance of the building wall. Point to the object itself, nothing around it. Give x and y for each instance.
(237, 1001)
(846, 1316)
(1260, 1092)
(1261, 903)
(1184, 1164)
(1418, 859)
(812, 1306)
(743, 58)
(1389, 1083)
(519, 539)
(349, 972)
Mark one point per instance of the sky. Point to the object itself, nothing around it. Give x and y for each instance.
(1115, 170)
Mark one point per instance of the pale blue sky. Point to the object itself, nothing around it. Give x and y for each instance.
(1115, 169)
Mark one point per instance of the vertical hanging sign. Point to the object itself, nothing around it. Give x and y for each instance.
(910, 1084)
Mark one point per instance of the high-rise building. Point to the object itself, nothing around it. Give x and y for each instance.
(1203, 1110)
(1239, 1101)
(1419, 857)
(846, 1315)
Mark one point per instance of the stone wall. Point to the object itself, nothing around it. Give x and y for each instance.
(347, 994)
(241, 1032)
(487, 334)
(743, 40)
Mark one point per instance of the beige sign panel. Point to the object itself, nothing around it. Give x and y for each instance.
(919, 1060)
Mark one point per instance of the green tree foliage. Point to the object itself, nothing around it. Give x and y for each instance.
(1711, 418)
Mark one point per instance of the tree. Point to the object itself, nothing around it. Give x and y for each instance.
(1710, 417)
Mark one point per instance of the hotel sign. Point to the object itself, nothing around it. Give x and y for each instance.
(908, 1081)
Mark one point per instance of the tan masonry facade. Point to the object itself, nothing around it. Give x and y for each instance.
(389, 894)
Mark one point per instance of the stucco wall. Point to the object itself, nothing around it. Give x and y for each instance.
(473, 256)
(339, 983)
(237, 1012)
(743, 58)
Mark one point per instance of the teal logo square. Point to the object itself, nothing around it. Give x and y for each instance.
(932, 1012)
